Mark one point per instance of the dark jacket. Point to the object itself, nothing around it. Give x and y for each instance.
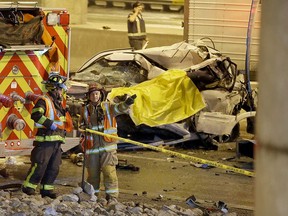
(38, 114)
(136, 31)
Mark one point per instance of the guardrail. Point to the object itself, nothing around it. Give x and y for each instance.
(165, 5)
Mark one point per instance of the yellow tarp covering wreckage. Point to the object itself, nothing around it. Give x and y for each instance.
(166, 99)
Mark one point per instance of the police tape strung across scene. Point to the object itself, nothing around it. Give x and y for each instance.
(186, 157)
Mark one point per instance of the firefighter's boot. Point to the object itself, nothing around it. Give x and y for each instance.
(48, 193)
(111, 199)
(28, 190)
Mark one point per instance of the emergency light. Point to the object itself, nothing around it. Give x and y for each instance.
(52, 19)
(58, 18)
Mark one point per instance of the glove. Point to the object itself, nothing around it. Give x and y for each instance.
(53, 127)
(130, 100)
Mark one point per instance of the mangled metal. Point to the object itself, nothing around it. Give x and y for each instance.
(215, 75)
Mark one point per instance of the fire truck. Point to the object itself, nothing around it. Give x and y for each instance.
(34, 42)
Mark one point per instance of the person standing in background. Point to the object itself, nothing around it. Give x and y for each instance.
(136, 27)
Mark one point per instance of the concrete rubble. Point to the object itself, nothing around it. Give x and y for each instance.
(80, 203)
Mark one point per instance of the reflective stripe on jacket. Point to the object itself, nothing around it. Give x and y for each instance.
(110, 124)
(136, 29)
(109, 127)
(51, 114)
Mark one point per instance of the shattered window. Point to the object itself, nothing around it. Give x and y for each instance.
(112, 73)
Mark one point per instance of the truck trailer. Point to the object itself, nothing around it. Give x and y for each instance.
(224, 24)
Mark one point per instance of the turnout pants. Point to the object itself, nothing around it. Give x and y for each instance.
(45, 163)
(97, 164)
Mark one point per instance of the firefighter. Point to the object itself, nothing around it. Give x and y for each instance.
(99, 114)
(51, 122)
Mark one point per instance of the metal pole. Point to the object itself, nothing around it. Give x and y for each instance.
(253, 12)
(84, 161)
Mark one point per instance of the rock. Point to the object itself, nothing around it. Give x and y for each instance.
(70, 198)
(130, 204)
(84, 197)
(166, 212)
(77, 190)
(50, 210)
(4, 195)
(93, 198)
(101, 211)
(116, 206)
(10, 160)
(193, 212)
(151, 211)
(80, 203)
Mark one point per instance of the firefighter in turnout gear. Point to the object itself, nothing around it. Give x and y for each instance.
(51, 123)
(99, 114)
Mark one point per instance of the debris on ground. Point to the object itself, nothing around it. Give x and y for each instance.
(77, 159)
(79, 203)
(200, 165)
(123, 165)
(218, 208)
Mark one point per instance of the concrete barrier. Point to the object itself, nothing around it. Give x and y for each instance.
(89, 38)
(77, 9)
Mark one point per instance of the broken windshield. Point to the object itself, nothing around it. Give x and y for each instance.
(112, 73)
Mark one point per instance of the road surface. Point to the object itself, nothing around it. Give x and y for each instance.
(156, 21)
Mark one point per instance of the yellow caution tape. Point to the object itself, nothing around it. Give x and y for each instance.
(187, 157)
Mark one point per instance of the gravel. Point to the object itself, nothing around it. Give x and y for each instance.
(78, 202)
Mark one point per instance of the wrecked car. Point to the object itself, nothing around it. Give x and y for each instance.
(221, 85)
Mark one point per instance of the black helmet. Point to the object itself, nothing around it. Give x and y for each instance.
(55, 81)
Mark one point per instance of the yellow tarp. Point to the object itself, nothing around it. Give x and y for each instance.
(166, 99)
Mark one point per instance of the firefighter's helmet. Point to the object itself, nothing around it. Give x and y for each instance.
(94, 86)
(55, 81)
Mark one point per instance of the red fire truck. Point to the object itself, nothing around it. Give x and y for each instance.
(34, 41)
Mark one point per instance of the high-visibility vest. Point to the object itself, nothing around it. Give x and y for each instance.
(110, 124)
(136, 29)
(62, 122)
(109, 127)
(51, 113)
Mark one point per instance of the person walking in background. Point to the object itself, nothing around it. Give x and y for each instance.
(51, 121)
(136, 27)
(99, 115)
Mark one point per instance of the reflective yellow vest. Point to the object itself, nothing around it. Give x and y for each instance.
(109, 127)
(62, 122)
